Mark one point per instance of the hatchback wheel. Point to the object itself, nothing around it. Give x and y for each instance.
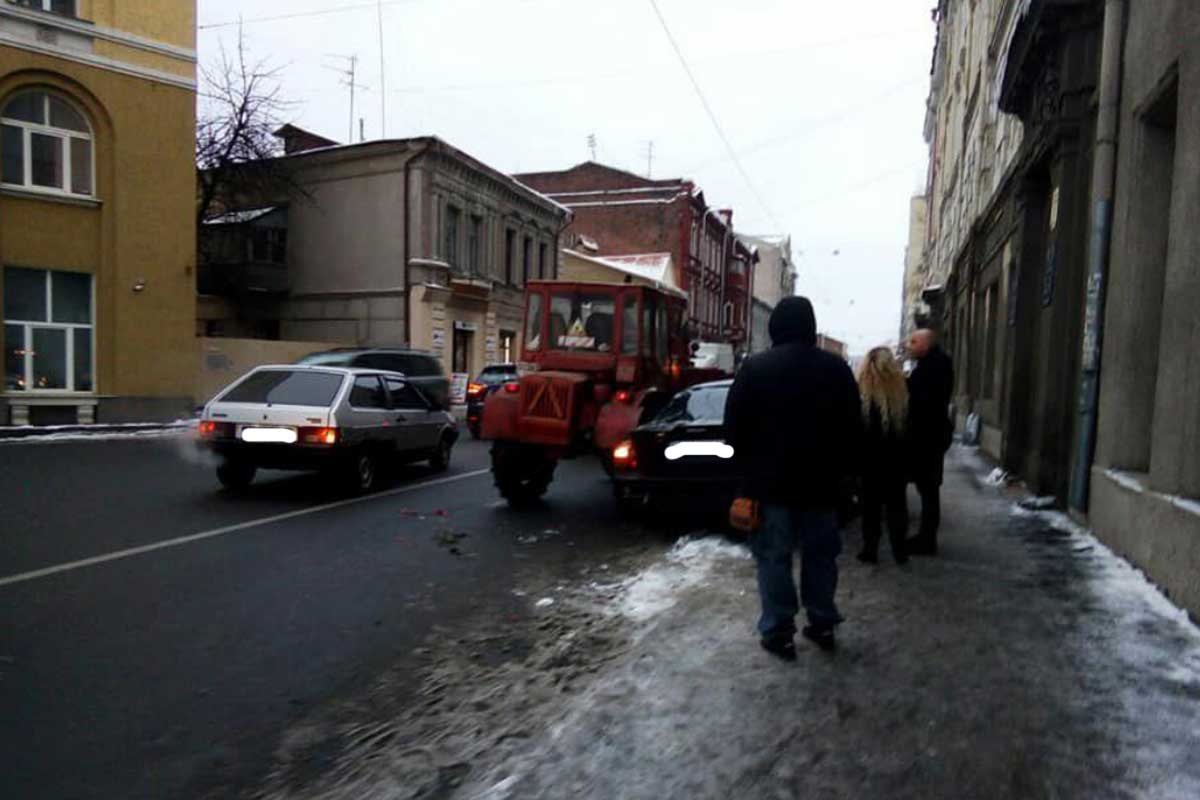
(363, 473)
(235, 475)
(439, 459)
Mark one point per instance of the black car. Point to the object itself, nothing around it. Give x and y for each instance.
(486, 382)
(420, 368)
(679, 456)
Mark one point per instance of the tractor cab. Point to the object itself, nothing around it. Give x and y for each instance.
(621, 335)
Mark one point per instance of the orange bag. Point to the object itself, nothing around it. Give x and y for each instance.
(744, 515)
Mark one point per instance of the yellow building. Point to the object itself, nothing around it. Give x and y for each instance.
(97, 209)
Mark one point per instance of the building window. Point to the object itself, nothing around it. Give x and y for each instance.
(268, 245)
(64, 7)
(991, 311)
(46, 145)
(526, 259)
(541, 260)
(510, 241)
(506, 346)
(451, 247)
(47, 330)
(461, 361)
(474, 235)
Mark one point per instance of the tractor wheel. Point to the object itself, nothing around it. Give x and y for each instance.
(522, 472)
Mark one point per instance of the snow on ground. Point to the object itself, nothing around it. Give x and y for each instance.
(68, 433)
(1027, 661)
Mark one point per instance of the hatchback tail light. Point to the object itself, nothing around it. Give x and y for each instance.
(321, 436)
(475, 389)
(216, 430)
(624, 456)
(512, 387)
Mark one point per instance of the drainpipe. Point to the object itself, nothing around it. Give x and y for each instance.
(1103, 174)
(408, 306)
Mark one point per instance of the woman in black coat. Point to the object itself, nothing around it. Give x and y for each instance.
(884, 466)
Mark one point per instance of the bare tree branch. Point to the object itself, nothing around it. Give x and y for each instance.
(241, 108)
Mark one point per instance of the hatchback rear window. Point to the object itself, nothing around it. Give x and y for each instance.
(491, 376)
(696, 405)
(286, 388)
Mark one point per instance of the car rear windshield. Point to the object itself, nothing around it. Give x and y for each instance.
(493, 375)
(705, 404)
(286, 388)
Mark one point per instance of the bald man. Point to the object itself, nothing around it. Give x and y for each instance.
(930, 430)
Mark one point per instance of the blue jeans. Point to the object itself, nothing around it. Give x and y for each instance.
(816, 534)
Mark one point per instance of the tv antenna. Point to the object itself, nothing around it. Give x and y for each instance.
(348, 73)
(649, 158)
(591, 142)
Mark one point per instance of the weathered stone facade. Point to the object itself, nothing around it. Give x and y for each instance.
(412, 243)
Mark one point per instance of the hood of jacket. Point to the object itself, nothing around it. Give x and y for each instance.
(793, 321)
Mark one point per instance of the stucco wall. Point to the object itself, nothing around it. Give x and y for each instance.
(219, 362)
(142, 228)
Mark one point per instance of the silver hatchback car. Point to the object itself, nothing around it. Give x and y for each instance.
(349, 421)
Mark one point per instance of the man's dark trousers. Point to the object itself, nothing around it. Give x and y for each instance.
(816, 534)
(930, 489)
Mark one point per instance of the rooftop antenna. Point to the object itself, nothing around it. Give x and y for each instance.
(348, 79)
(649, 158)
(362, 132)
(382, 74)
(591, 141)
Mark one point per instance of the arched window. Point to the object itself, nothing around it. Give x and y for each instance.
(46, 144)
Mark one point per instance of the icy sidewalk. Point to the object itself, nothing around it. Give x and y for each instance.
(1026, 662)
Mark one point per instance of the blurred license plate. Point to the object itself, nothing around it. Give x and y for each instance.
(681, 449)
(275, 435)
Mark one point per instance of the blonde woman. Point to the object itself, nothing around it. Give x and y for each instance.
(884, 469)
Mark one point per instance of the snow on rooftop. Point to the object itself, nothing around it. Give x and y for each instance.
(240, 216)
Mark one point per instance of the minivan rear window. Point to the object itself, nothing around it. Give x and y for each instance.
(286, 388)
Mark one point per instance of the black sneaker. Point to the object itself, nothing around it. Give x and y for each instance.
(822, 637)
(782, 646)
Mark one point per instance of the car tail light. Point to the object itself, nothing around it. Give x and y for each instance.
(623, 396)
(512, 387)
(475, 389)
(322, 436)
(624, 455)
(216, 430)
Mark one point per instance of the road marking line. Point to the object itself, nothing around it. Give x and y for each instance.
(195, 537)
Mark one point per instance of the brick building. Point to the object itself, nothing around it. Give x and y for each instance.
(619, 213)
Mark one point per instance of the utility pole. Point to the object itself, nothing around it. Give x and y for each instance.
(348, 79)
(382, 74)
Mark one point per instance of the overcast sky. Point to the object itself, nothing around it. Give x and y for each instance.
(823, 103)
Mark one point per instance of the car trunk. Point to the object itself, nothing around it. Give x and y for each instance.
(652, 442)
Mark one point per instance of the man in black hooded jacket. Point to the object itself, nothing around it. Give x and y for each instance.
(794, 419)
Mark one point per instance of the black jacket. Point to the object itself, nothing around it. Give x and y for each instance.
(930, 428)
(884, 452)
(793, 416)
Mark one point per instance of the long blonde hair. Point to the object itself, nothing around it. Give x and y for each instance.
(881, 384)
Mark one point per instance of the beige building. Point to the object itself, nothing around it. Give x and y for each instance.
(774, 279)
(97, 205)
(915, 312)
(407, 242)
(972, 144)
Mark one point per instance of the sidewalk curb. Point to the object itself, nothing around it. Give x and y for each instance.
(30, 431)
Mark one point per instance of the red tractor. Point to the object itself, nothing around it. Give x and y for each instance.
(595, 358)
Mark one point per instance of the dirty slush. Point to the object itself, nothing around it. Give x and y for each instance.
(1026, 662)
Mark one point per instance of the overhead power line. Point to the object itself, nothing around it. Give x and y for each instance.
(301, 14)
(713, 117)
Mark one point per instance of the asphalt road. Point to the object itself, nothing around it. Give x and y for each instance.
(172, 671)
